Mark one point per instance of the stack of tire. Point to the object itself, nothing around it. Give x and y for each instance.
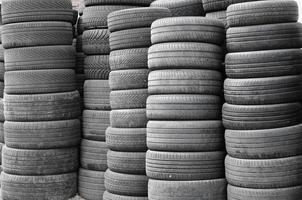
(181, 7)
(185, 132)
(263, 114)
(126, 138)
(2, 69)
(41, 104)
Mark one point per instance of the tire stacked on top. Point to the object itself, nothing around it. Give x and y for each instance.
(263, 114)
(126, 138)
(41, 104)
(185, 132)
(2, 69)
(181, 7)
(96, 115)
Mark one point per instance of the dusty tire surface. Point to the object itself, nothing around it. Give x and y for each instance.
(128, 99)
(110, 196)
(96, 95)
(128, 79)
(96, 42)
(134, 58)
(97, 67)
(128, 118)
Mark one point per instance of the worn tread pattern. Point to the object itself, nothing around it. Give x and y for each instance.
(97, 67)
(109, 196)
(128, 79)
(220, 15)
(96, 95)
(217, 5)
(96, 42)
(134, 58)
(118, 2)
(128, 118)
(128, 99)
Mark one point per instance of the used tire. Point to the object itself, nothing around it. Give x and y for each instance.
(220, 15)
(118, 2)
(97, 67)
(96, 95)
(216, 5)
(128, 79)
(129, 59)
(96, 42)
(110, 196)
(128, 118)
(128, 99)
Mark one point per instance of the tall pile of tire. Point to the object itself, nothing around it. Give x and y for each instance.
(181, 7)
(126, 138)
(41, 104)
(96, 114)
(263, 114)
(2, 70)
(185, 132)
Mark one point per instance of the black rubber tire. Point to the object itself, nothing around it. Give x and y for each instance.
(96, 16)
(135, 18)
(93, 155)
(1, 53)
(36, 58)
(96, 42)
(95, 123)
(220, 15)
(128, 99)
(185, 136)
(259, 64)
(36, 34)
(183, 107)
(118, 2)
(127, 162)
(126, 139)
(264, 144)
(126, 184)
(60, 187)
(185, 166)
(185, 190)
(39, 162)
(260, 91)
(172, 56)
(80, 59)
(264, 174)
(290, 193)
(42, 107)
(130, 38)
(185, 81)
(263, 12)
(217, 5)
(15, 11)
(252, 117)
(128, 118)
(129, 59)
(128, 79)
(2, 71)
(96, 95)
(1, 133)
(42, 135)
(187, 29)
(80, 25)
(264, 37)
(180, 8)
(91, 184)
(2, 118)
(110, 196)
(97, 67)
(39, 81)
(1, 90)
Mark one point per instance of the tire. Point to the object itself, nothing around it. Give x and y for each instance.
(95, 123)
(93, 155)
(128, 118)
(39, 162)
(293, 193)
(171, 56)
(97, 67)
(129, 59)
(128, 99)
(96, 42)
(42, 135)
(217, 5)
(42, 107)
(264, 144)
(128, 79)
(95, 17)
(264, 174)
(126, 184)
(40, 58)
(184, 190)
(110, 196)
(259, 91)
(2, 71)
(91, 184)
(181, 7)
(38, 10)
(79, 43)
(183, 107)
(127, 162)
(193, 29)
(2, 132)
(2, 118)
(63, 186)
(1, 53)
(40, 81)
(97, 95)
(80, 25)
(220, 15)
(252, 117)
(266, 12)
(185, 81)
(36, 34)
(277, 36)
(80, 60)
(185, 136)
(130, 38)
(1, 91)
(135, 18)
(118, 2)
(185, 166)
(126, 139)
(260, 64)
